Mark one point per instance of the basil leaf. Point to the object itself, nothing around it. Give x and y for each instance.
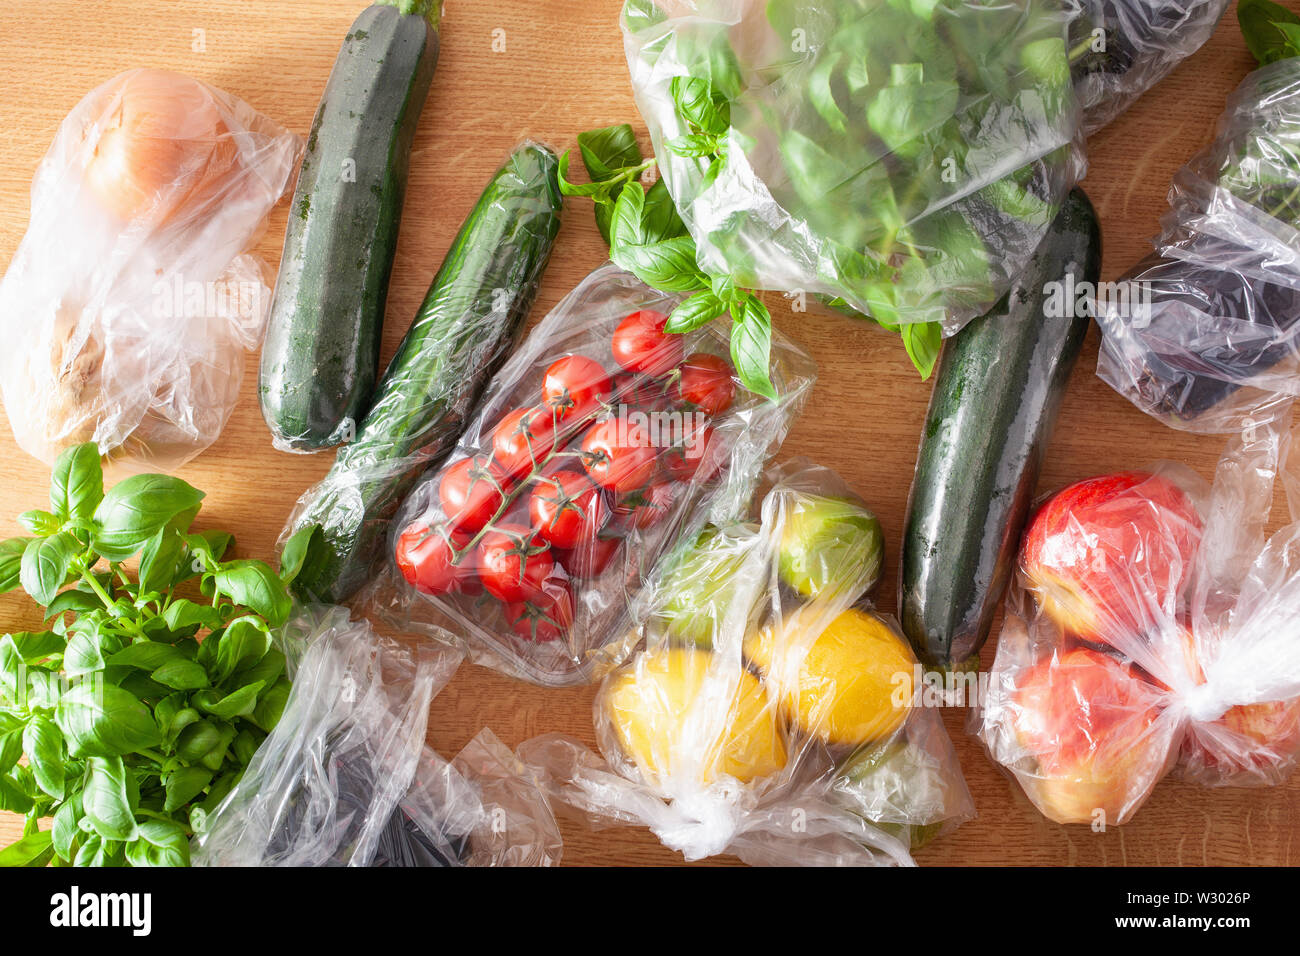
(44, 747)
(77, 483)
(252, 584)
(11, 562)
(146, 655)
(271, 704)
(668, 265)
(40, 523)
(77, 600)
(36, 849)
(1265, 26)
(244, 642)
(159, 844)
(182, 614)
(700, 309)
(659, 218)
(304, 551)
(135, 509)
(84, 654)
(13, 797)
(181, 675)
(45, 565)
(11, 748)
(751, 345)
(159, 559)
(107, 801)
(36, 646)
(101, 720)
(609, 151)
(239, 703)
(184, 785)
(65, 830)
(923, 341)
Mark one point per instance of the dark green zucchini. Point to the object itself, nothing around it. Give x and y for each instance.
(321, 355)
(991, 415)
(470, 319)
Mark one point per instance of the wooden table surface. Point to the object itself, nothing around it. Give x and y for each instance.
(548, 69)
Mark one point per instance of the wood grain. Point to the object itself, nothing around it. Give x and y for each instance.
(562, 71)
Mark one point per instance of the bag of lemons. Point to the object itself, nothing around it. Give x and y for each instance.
(769, 711)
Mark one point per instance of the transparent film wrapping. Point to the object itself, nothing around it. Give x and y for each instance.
(1119, 49)
(900, 159)
(1206, 336)
(574, 478)
(346, 778)
(768, 711)
(132, 297)
(1153, 628)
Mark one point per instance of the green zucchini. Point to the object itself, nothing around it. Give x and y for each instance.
(321, 355)
(994, 405)
(469, 321)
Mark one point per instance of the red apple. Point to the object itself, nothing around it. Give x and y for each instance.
(1108, 557)
(1090, 723)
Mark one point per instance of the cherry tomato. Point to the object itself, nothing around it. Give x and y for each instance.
(617, 455)
(590, 558)
(471, 492)
(642, 392)
(648, 506)
(425, 558)
(566, 508)
(523, 440)
(693, 458)
(706, 383)
(515, 564)
(543, 619)
(640, 344)
(574, 386)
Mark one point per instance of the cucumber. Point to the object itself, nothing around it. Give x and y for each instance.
(321, 355)
(469, 321)
(994, 405)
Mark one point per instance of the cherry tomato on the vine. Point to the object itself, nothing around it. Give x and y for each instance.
(515, 564)
(575, 386)
(590, 558)
(640, 344)
(523, 439)
(471, 492)
(565, 508)
(705, 381)
(617, 455)
(425, 557)
(544, 618)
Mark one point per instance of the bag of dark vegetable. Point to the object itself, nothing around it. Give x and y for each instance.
(601, 442)
(470, 319)
(132, 297)
(1154, 627)
(769, 712)
(346, 778)
(1204, 332)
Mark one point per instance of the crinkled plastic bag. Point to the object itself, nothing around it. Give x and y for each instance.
(131, 298)
(572, 627)
(1119, 49)
(769, 712)
(1206, 336)
(902, 159)
(346, 779)
(1154, 627)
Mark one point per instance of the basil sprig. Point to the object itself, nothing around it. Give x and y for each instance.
(143, 700)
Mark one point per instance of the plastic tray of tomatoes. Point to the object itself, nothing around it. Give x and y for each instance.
(600, 443)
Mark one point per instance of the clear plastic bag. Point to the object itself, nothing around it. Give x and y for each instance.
(599, 444)
(900, 159)
(769, 712)
(1213, 342)
(346, 779)
(1153, 627)
(1119, 49)
(131, 298)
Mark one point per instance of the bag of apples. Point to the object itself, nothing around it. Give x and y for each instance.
(600, 443)
(1154, 627)
(769, 711)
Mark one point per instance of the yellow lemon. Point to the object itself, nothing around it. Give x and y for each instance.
(649, 704)
(854, 679)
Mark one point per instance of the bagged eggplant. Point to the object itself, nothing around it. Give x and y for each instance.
(1121, 48)
(1154, 627)
(901, 159)
(600, 443)
(1204, 333)
(131, 300)
(768, 712)
(346, 778)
